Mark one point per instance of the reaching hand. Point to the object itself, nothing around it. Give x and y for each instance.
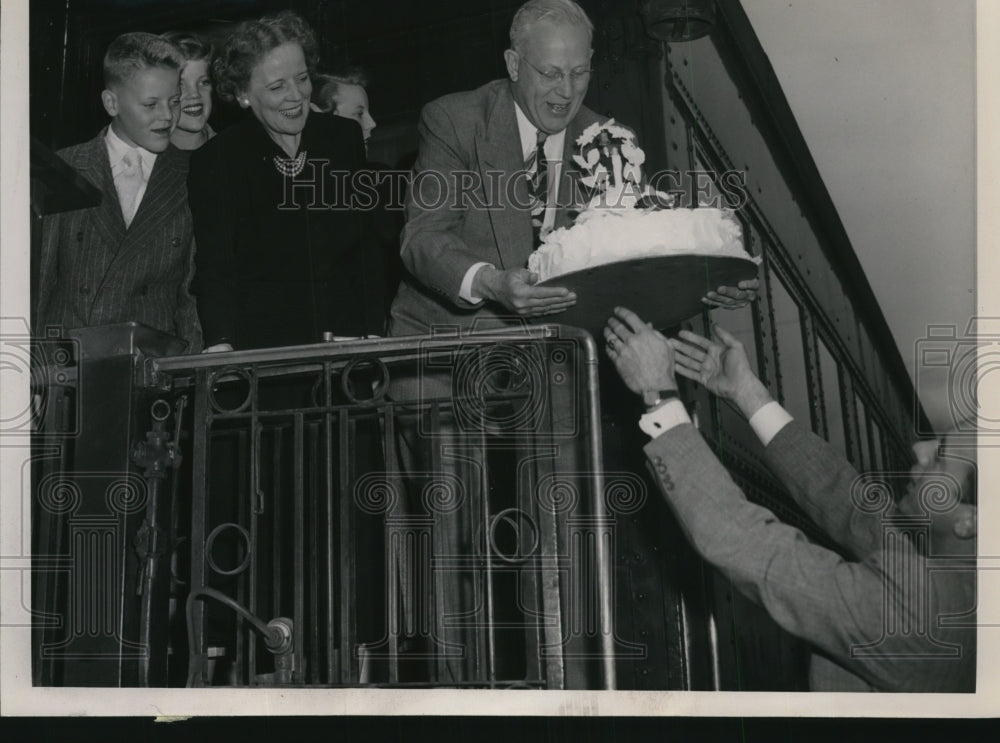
(722, 368)
(642, 355)
(515, 289)
(733, 297)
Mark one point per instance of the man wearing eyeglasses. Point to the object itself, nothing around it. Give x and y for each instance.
(490, 180)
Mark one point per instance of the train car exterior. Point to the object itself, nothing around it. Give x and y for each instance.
(716, 128)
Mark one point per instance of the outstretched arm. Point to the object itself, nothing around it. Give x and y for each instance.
(722, 367)
(810, 591)
(817, 476)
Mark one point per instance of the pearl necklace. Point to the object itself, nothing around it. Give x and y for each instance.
(290, 166)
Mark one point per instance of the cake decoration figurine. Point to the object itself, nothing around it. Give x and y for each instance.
(611, 163)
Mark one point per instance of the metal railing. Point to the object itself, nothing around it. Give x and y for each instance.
(423, 511)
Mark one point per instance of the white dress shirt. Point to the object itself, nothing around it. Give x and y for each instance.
(553, 149)
(117, 149)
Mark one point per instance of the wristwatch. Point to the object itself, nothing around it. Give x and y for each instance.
(654, 399)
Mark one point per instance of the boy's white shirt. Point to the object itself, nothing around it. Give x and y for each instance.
(117, 149)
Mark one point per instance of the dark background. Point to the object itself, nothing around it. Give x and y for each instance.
(413, 51)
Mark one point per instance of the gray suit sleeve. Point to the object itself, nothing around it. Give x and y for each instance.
(433, 247)
(821, 481)
(807, 589)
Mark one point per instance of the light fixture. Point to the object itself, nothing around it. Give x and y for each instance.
(678, 20)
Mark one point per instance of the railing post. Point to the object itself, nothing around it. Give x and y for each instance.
(106, 520)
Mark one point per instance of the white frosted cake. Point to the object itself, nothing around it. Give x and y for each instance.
(615, 228)
(602, 236)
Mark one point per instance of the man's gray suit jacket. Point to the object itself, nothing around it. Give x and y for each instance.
(855, 607)
(468, 203)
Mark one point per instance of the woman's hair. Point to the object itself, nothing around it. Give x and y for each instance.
(327, 87)
(193, 47)
(251, 41)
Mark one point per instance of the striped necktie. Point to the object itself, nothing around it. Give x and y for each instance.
(538, 185)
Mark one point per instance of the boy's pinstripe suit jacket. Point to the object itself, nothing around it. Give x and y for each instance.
(95, 271)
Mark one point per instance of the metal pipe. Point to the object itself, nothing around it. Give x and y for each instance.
(298, 547)
(199, 515)
(312, 496)
(243, 511)
(392, 590)
(402, 348)
(344, 540)
(278, 514)
(254, 564)
(604, 564)
(491, 638)
(332, 666)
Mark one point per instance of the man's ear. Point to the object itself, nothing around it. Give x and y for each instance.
(512, 59)
(110, 101)
(964, 526)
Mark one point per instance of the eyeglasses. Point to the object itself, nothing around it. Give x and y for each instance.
(556, 77)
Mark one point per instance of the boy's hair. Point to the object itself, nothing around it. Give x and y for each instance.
(193, 47)
(136, 50)
(327, 87)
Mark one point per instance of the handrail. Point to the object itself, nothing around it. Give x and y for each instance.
(400, 347)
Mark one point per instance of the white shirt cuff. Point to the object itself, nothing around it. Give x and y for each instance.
(465, 291)
(669, 415)
(767, 421)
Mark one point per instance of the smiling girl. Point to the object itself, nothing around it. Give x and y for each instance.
(193, 129)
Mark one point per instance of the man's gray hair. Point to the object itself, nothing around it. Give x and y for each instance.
(564, 12)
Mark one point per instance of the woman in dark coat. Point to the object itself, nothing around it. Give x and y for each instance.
(283, 255)
(283, 249)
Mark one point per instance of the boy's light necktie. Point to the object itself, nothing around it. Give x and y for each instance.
(129, 183)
